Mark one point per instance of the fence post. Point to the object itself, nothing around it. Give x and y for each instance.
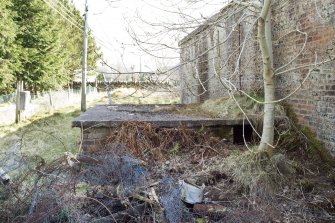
(68, 92)
(19, 88)
(50, 98)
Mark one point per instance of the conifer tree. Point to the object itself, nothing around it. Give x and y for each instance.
(49, 47)
(7, 49)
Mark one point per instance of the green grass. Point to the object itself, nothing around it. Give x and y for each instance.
(49, 134)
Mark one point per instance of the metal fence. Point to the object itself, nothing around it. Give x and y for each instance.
(43, 102)
(7, 98)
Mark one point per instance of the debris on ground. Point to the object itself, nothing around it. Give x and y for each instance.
(146, 174)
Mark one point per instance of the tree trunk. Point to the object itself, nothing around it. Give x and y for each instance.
(265, 41)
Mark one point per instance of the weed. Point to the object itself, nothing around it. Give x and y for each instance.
(174, 151)
(307, 185)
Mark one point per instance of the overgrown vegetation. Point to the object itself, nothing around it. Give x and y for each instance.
(257, 171)
(226, 107)
(298, 138)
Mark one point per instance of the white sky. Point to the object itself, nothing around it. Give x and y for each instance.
(107, 20)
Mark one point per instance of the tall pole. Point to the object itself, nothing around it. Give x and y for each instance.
(18, 101)
(84, 61)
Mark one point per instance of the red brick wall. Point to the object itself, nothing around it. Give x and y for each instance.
(315, 101)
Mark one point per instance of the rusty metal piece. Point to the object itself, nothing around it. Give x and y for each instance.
(210, 209)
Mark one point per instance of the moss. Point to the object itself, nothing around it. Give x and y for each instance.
(331, 178)
(307, 185)
(290, 113)
(315, 146)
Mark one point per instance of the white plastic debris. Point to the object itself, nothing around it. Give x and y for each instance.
(190, 193)
(3, 176)
(71, 159)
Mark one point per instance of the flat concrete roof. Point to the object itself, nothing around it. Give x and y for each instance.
(116, 115)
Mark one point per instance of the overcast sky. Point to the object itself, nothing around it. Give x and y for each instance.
(110, 20)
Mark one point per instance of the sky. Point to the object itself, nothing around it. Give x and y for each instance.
(112, 22)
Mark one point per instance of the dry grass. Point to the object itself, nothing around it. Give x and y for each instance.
(154, 144)
(257, 171)
(47, 135)
(224, 107)
(142, 96)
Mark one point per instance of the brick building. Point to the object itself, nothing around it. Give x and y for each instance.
(224, 52)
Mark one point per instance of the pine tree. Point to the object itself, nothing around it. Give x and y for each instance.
(7, 50)
(72, 41)
(39, 46)
(40, 57)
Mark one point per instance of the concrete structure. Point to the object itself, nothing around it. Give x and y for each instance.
(301, 30)
(98, 122)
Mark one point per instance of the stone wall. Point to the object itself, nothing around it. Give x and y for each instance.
(298, 25)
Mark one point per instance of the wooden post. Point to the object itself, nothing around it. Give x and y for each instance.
(68, 91)
(84, 61)
(50, 99)
(19, 86)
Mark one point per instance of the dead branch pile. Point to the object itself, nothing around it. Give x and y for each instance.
(151, 143)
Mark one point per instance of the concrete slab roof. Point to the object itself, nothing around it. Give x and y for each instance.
(116, 115)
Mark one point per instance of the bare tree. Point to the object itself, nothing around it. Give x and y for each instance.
(236, 13)
(265, 41)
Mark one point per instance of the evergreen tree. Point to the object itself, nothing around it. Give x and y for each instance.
(50, 47)
(39, 46)
(7, 50)
(38, 41)
(73, 42)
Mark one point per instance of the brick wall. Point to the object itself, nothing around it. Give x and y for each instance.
(213, 56)
(315, 101)
(94, 138)
(209, 56)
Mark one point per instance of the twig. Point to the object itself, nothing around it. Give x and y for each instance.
(93, 199)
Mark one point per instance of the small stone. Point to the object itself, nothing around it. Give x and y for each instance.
(99, 195)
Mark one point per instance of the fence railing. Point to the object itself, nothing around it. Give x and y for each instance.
(8, 98)
(43, 101)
